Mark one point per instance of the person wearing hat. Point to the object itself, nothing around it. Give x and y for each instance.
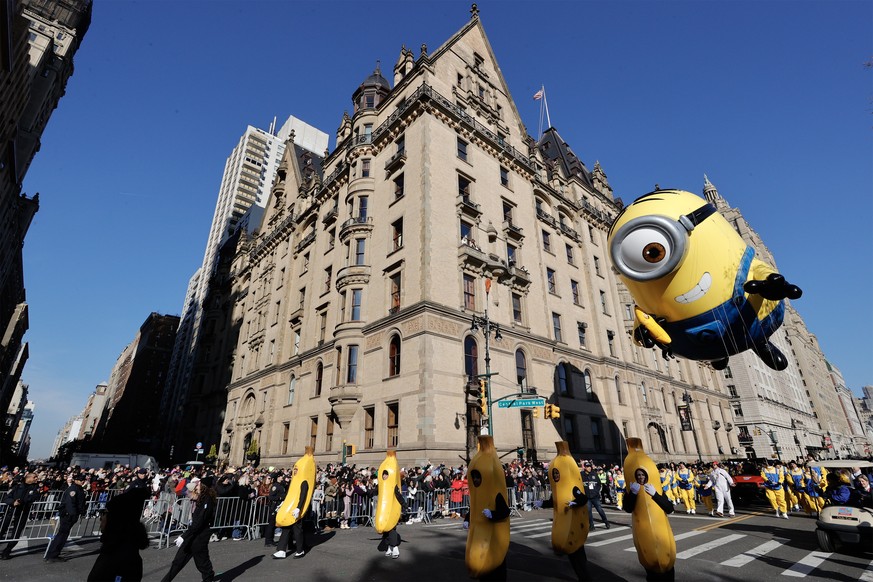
(194, 542)
(18, 501)
(72, 507)
(592, 490)
(141, 481)
(275, 495)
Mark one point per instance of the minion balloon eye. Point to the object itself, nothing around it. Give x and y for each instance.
(652, 246)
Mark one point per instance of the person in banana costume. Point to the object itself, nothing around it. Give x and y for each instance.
(389, 505)
(570, 510)
(488, 533)
(653, 536)
(292, 511)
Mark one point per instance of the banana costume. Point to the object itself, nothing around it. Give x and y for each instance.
(488, 536)
(300, 490)
(653, 537)
(569, 523)
(389, 504)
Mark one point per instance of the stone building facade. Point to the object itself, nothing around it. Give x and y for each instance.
(355, 299)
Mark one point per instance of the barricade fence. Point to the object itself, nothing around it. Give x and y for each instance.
(166, 516)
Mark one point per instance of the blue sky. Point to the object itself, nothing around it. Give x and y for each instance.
(771, 99)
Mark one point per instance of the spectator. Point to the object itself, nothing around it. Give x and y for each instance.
(18, 501)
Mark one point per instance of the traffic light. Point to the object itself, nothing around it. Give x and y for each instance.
(536, 412)
(351, 450)
(483, 397)
(552, 411)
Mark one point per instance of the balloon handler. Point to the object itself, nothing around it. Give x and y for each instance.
(699, 289)
(570, 521)
(389, 505)
(293, 510)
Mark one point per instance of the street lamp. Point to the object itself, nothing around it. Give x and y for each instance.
(688, 400)
(487, 328)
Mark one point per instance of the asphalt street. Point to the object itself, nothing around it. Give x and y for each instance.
(752, 546)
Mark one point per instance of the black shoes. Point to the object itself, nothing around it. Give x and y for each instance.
(607, 525)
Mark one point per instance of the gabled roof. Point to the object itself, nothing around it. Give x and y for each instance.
(553, 148)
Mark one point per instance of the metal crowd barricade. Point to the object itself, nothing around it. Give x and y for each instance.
(259, 516)
(157, 517)
(233, 513)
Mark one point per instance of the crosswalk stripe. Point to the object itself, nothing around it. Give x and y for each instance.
(530, 530)
(867, 575)
(449, 524)
(529, 526)
(809, 563)
(611, 541)
(755, 553)
(613, 529)
(688, 534)
(691, 552)
(541, 535)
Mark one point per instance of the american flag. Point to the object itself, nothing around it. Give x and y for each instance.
(539, 94)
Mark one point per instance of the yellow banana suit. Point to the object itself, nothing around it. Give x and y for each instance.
(569, 524)
(388, 508)
(488, 537)
(653, 536)
(299, 491)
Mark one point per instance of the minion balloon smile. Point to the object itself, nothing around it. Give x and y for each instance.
(700, 291)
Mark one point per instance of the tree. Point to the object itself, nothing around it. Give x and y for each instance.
(253, 452)
(212, 454)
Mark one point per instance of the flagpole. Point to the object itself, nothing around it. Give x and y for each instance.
(546, 105)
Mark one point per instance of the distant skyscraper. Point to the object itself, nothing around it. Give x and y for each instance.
(248, 176)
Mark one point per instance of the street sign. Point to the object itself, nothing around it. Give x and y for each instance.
(522, 403)
(199, 446)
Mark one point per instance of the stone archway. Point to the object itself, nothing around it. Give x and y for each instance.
(657, 439)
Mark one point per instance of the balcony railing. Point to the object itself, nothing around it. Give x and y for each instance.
(307, 240)
(331, 215)
(354, 224)
(396, 161)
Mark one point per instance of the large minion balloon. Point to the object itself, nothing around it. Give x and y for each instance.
(699, 289)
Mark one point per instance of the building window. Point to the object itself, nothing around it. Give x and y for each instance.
(618, 390)
(328, 441)
(319, 378)
(397, 234)
(732, 390)
(589, 385)
(511, 251)
(396, 288)
(363, 203)
(369, 425)
(462, 149)
(398, 187)
(394, 356)
(469, 292)
(328, 276)
(356, 304)
(570, 430)
(360, 247)
(597, 267)
(322, 327)
(591, 234)
(603, 302)
(467, 234)
(464, 189)
(644, 393)
(278, 310)
(471, 358)
(286, 434)
(574, 287)
(628, 311)
(610, 339)
(365, 168)
(272, 352)
(313, 431)
(507, 212)
(504, 176)
(352, 368)
(581, 328)
(331, 239)
(728, 373)
(597, 434)
(393, 423)
(516, 308)
(401, 144)
(521, 370)
(296, 341)
(547, 241)
(570, 258)
(550, 279)
(305, 262)
(738, 410)
(556, 327)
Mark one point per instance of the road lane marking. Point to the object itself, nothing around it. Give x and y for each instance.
(691, 552)
(680, 537)
(722, 522)
(867, 575)
(613, 529)
(611, 541)
(755, 553)
(809, 563)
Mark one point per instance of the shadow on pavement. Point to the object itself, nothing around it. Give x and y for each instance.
(236, 571)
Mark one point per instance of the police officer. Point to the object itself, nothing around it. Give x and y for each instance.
(71, 509)
(274, 499)
(18, 502)
(141, 481)
(592, 490)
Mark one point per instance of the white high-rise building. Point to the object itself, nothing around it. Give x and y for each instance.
(248, 176)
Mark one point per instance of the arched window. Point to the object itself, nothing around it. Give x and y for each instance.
(319, 377)
(589, 385)
(618, 389)
(563, 380)
(471, 358)
(292, 388)
(521, 370)
(643, 393)
(248, 408)
(394, 356)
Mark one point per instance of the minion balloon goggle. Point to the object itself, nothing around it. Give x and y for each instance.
(652, 246)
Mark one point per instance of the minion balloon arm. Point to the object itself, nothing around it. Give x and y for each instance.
(774, 287)
(648, 333)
